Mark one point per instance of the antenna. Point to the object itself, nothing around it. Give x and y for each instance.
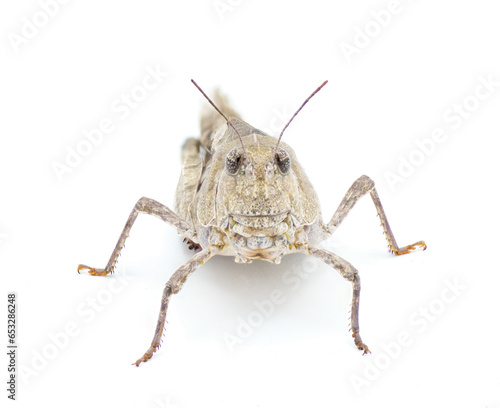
(295, 114)
(224, 116)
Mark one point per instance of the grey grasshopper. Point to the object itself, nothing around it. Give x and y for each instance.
(243, 193)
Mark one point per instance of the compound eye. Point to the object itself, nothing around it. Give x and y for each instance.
(282, 160)
(234, 159)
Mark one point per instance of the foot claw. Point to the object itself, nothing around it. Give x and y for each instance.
(147, 355)
(92, 271)
(359, 343)
(409, 248)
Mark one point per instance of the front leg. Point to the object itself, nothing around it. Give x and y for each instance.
(173, 286)
(359, 188)
(145, 206)
(349, 273)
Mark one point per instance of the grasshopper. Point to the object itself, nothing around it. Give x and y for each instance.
(243, 193)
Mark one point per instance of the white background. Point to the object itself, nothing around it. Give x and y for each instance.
(268, 57)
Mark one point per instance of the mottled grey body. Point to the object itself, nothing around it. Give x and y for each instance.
(242, 194)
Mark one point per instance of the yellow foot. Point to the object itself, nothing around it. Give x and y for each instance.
(365, 349)
(409, 248)
(359, 343)
(147, 355)
(92, 271)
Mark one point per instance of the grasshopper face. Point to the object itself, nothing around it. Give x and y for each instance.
(256, 188)
(257, 193)
(259, 211)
